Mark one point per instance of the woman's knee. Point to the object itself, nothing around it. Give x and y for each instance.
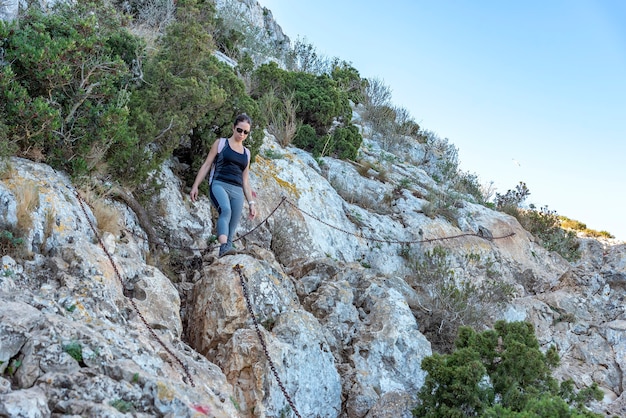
(225, 211)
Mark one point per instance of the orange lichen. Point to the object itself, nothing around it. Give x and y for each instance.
(266, 169)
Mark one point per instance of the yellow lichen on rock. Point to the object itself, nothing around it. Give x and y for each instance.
(267, 171)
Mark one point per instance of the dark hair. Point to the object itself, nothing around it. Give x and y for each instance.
(242, 118)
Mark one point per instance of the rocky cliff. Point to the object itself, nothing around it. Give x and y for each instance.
(91, 325)
(327, 309)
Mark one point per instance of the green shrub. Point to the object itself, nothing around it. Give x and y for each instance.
(64, 91)
(319, 99)
(349, 81)
(545, 225)
(122, 405)
(10, 244)
(452, 301)
(305, 138)
(467, 183)
(513, 198)
(497, 373)
(442, 203)
(189, 97)
(75, 350)
(303, 57)
(346, 142)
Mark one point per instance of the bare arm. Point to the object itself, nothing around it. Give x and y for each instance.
(247, 191)
(204, 170)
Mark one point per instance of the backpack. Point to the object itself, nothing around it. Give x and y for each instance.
(220, 147)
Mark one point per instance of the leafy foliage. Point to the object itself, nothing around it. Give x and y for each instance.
(189, 97)
(496, 373)
(452, 301)
(319, 99)
(306, 138)
(544, 223)
(320, 102)
(81, 94)
(75, 350)
(349, 81)
(64, 94)
(9, 243)
(512, 199)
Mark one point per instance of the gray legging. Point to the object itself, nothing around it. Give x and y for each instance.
(228, 200)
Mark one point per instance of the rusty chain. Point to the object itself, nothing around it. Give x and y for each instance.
(369, 238)
(132, 301)
(246, 294)
(394, 241)
(210, 247)
(244, 287)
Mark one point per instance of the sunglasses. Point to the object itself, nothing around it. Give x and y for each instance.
(242, 130)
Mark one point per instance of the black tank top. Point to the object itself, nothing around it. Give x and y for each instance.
(230, 165)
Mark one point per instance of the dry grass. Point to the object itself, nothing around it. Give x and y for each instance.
(107, 216)
(27, 198)
(281, 115)
(364, 167)
(48, 226)
(7, 171)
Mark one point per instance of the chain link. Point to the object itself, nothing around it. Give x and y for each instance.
(395, 241)
(368, 238)
(244, 286)
(241, 277)
(132, 301)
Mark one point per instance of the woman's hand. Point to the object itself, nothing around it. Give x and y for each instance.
(252, 207)
(193, 194)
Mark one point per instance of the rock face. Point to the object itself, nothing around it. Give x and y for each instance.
(10, 9)
(89, 327)
(337, 314)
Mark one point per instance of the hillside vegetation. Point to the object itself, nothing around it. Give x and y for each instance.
(108, 93)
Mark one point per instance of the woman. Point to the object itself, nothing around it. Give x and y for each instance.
(230, 183)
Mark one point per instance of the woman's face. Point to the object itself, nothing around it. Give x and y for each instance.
(241, 130)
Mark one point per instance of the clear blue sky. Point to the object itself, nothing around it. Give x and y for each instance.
(527, 90)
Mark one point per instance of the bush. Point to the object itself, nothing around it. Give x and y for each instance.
(63, 94)
(303, 57)
(189, 97)
(281, 114)
(468, 183)
(346, 142)
(320, 101)
(545, 225)
(349, 81)
(452, 301)
(10, 244)
(512, 198)
(497, 373)
(305, 138)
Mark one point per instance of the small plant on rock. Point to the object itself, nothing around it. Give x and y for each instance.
(75, 350)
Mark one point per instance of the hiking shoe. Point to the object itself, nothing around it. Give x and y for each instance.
(226, 249)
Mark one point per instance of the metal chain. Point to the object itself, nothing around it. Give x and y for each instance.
(396, 241)
(369, 238)
(210, 247)
(244, 286)
(245, 290)
(132, 301)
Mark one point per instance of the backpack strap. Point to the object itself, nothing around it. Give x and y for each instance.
(220, 147)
